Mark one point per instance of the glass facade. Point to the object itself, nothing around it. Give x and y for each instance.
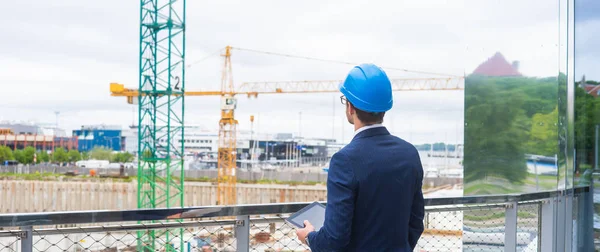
(512, 105)
(512, 110)
(586, 80)
(531, 112)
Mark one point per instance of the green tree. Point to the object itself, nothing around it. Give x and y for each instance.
(587, 116)
(28, 153)
(85, 155)
(544, 134)
(74, 156)
(540, 95)
(42, 156)
(101, 153)
(123, 157)
(60, 155)
(19, 156)
(496, 126)
(5, 154)
(147, 154)
(128, 157)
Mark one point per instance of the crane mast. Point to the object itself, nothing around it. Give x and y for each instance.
(161, 112)
(226, 182)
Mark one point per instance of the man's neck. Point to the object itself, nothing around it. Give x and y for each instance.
(359, 125)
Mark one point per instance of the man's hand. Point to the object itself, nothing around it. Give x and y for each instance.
(303, 232)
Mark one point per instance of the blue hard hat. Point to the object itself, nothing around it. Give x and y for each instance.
(368, 88)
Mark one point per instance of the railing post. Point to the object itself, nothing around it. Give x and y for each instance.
(242, 233)
(510, 230)
(27, 239)
(585, 227)
(547, 231)
(560, 212)
(568, 238)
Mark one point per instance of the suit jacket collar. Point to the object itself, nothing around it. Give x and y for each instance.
(372, 132)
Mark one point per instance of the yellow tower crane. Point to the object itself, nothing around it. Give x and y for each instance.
(227, 158)
(226, 186)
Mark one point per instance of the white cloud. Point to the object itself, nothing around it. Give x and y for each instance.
(586, 50)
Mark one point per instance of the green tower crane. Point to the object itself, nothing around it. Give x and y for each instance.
(161, 113)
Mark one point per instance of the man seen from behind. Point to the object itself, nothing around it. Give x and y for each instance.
(374, 197)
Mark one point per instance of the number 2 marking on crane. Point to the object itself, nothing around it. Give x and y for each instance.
(177, 83)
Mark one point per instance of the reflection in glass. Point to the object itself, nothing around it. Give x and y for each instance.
(587, 117)
(511, 113)
(510, 130)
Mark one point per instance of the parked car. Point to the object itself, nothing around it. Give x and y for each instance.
(10, 162)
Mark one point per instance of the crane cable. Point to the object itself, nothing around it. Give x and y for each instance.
(203, 59)
(339, 62)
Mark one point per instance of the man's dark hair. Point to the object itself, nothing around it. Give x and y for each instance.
(369, 117)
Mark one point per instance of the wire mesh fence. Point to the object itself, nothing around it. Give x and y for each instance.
(274, 234)
(447, 228)
(528, 226)
(92, 241)
(443, 231)
(483, 229)
(201, 235)
(10, 241)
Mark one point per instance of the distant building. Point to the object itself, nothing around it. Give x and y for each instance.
(131, 139)
(39, 136)
(23, 129)
(284, 136)
(590, 87)
(92, 136)
(201, 142)
(497, 65)
(50, 129)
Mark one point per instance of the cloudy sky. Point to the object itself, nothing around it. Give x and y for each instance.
(587, 39)
(61, 55)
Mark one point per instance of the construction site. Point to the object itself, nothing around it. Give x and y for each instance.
(175, 125)
(172, 160)
(160, 100)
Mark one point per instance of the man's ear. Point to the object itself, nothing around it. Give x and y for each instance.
(350, 109)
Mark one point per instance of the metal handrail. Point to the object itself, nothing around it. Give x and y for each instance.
(106, 216)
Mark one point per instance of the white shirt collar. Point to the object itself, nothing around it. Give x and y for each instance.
(363, 128)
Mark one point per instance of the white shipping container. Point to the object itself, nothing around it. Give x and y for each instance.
(93, 163)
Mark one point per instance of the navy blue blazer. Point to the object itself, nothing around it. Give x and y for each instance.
(374, 197)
